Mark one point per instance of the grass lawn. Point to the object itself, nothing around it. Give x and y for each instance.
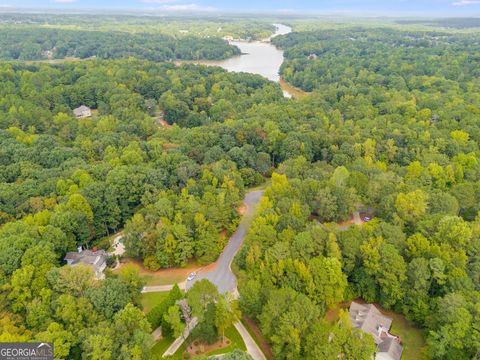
(413, 338)
(231, 333)
(149, 300)
(160, 347)
(163, 276)
(236, 342)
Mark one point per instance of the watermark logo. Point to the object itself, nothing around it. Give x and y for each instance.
(26, 351)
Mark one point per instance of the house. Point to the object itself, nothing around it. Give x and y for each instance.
(96, 259)
(370, 320)
(82, 111)
(312, 57)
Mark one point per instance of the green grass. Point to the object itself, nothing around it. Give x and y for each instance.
(160, 347)
(236, 342)
(413, 339)
(163, 276)
(153, 280)
(149, 300)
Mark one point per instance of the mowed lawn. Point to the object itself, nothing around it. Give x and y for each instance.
(163, 276)
(160, 347)
(149, 300)
(231, 333)
(413, 338)
(236, 342)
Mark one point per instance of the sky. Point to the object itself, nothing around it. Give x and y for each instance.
(390, 7)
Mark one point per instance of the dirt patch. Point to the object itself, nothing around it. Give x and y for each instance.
(259, 338)
(161, 120)
(164, 123)
(352, 221)
(295, 92)
(332, 314)
(198, 348)
(170, 146)
(242, 209)
(208, 268)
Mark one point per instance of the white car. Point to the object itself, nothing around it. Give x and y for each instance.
(191, 276)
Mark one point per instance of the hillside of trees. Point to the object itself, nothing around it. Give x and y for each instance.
(378, 59)
(236, 25)
(391, 126)
(32, 43)
(67, 182)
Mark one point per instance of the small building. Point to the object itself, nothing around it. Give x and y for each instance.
(82, 112)
(312, 57)
(370, 320)
(95, 259)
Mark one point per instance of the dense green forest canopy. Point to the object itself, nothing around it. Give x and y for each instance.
(404, 61)
(67, 182)
(395, 120)
(41, 44)
(391, 126)
(243, 27)
(455, 23)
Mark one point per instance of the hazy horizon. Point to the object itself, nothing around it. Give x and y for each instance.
(443, 8)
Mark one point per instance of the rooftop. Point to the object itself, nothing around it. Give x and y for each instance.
(370, 320)
(96, 259)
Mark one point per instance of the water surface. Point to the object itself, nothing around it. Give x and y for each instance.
(258, 57)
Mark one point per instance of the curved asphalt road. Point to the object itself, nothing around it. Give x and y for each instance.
(222, 276)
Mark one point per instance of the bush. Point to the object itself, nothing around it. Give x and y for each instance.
(155, 316)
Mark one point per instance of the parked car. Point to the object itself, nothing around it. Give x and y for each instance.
(191, 276)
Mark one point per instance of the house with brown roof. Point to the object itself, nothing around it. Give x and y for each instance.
(370, 320)
(97, 260)
(82, 111)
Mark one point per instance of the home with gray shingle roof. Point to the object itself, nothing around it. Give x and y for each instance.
(97, 260)
(82, 111)
(370, 320)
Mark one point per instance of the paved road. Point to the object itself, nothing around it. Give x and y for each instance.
(222, 275)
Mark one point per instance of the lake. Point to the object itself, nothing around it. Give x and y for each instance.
(259, 57)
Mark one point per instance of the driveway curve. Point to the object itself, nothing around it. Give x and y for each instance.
(222, 275)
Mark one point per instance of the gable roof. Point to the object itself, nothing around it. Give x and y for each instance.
(369, 319)
(96, 259)
(392, 347)
(80, 110)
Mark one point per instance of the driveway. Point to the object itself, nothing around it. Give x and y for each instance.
(222, 276)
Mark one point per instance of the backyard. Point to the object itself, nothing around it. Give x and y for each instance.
(413, 338)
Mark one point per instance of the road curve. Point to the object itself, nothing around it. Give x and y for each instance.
(222, 276)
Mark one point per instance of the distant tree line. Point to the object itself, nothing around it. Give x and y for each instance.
(40, 44)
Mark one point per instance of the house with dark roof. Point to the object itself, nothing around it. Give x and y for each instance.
(370, 320)
(82, 111)
(97, 260)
